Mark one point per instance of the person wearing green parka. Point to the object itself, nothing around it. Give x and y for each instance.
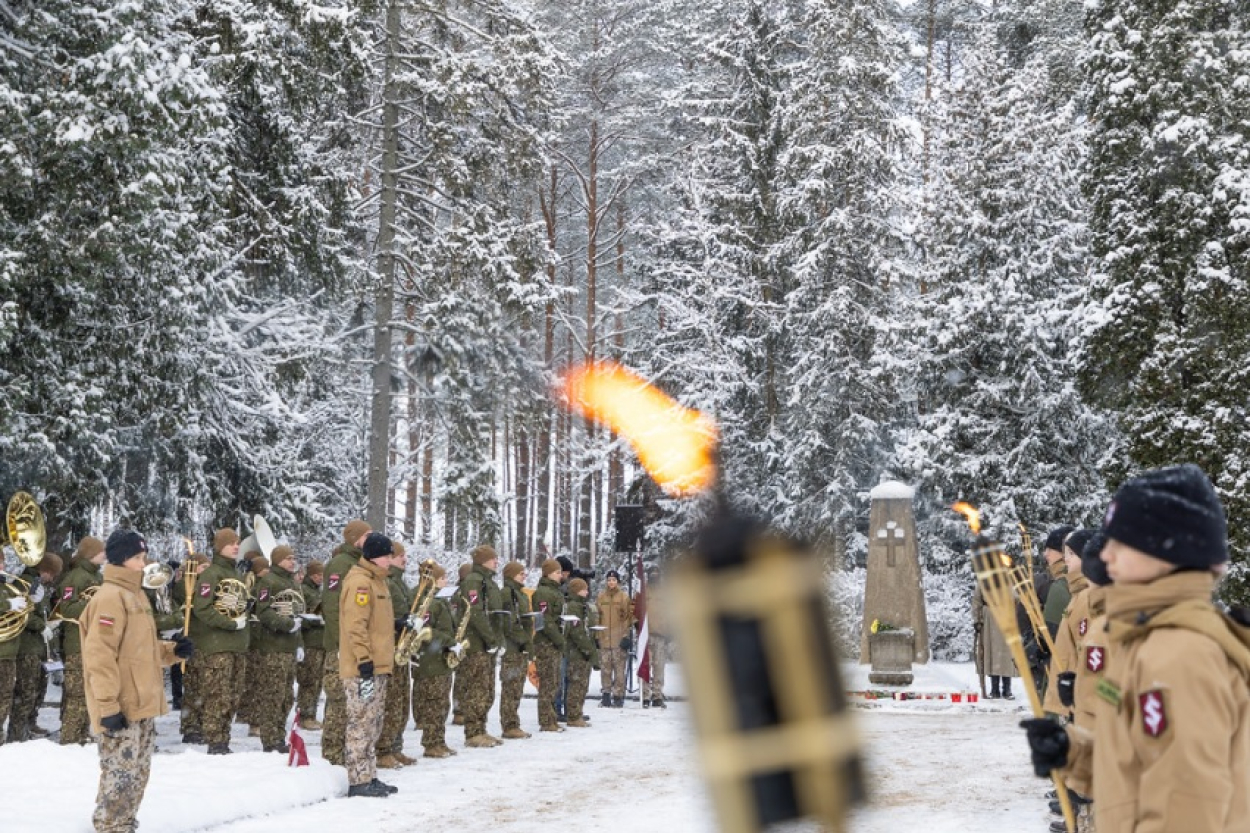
(221, 644)
(70, 600)
(431, 695)
(311, 663)
(581, 650)
(277, 641)
(518, 638)
(549, 643)
(399, 690)
(346, 556)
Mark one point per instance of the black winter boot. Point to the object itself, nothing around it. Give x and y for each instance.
(606, 703)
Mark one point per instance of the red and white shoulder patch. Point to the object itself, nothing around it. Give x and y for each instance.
(1083, 627)
(206, 590)
(107, 621)
(332, 583)
(472, 597)
(1094, 658)
(542, 606)
(264, 594)
(68, 593)
(1154, 714)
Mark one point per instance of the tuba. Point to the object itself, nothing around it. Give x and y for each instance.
(26, 534)
(261, 540)
(412, 640)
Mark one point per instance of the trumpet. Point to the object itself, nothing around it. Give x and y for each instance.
(412, 640)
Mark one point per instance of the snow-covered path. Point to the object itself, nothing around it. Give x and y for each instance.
(934, 766)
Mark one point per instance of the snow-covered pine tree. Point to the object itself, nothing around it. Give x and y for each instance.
(1169, 327)
(986, 338)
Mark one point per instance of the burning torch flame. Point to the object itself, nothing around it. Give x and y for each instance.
(674, 444)
(971, 513)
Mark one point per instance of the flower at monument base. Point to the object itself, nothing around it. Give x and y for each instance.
(878, 626)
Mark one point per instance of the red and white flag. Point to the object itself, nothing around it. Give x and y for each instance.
(640, 614)
(298, 756)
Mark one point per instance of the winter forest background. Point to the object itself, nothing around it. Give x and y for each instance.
(317, 259)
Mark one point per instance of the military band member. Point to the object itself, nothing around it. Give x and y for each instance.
(482, 600)
(657, 644)
(399, 687)
(125, 689)
(346, 556)
(255, 568)
(311, 666)
(221, 644)
(616, 617)
(431, 694)
(457, 714)
(32, 652)
(366, 660)
(580, 649)
(518, 639)
(1169, 745)
(549, 643)
(83, 573)
(190, 718)
(277, 638)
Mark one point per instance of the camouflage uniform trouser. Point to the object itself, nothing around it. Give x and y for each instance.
(457, 696)
(478, 693)
(308, 674)
(612, 671)
(364, 724)
(27, 696)
(334, 729)
(547, 662)
(579, 684)
(431, 701)
(1085, 819)
(220, 678)
(125, 761)
(8, 683)
(657, 657)
(274, 693)
(74, 719)
(245, 693)
(192, 700)
(395, 720)
(512, 670)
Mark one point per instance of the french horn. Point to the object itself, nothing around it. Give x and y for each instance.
(289, 603)
(232, 598)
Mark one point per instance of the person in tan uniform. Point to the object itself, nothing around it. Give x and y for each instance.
(366, 660)
(1073, 628)
(616, 617)
(1171, 742)
(122, 670)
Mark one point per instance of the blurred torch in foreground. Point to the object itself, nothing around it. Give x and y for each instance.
(765, 687)
(997, 578)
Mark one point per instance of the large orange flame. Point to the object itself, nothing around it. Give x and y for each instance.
(971, 513)
(674, 444)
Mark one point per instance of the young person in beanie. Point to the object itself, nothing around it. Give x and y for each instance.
(460, 607)
(399, 688)
(276, 642)
(346, 556)
(125, 687)
(1056, 598)
(518, 639)
(71, 599)
(28, 664)
(311, 667)
(483, 603)
(580, 649)
(1072, 629)
(221, 647)
(616, 617)
(431, 694)
(190, 723)
(366, 660)
(549, 643)
(49, 570)
(257, 567)
(1169, 747)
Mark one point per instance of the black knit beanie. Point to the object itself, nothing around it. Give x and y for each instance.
(1092, 565)
(1077, 539)
(377, 545)
(123, 545)
(1173, 514)
(1054, 538)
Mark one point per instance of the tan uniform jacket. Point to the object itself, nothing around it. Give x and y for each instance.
(657, 624)
(1071, 636)
(122, 659)
(1091, 667)
(1171, 748)
(615, 617)
(366, 621)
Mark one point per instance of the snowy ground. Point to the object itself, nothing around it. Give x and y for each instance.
(934, 765)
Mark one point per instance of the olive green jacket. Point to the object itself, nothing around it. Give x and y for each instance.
(69, 595)
(483, 601)
(433, 661)
(549, 601)
(578, 644)
(345, 557)
(313, 633)
(274, 635)
(212, 632)
(518, 630)
(31, 642)
(401, 593)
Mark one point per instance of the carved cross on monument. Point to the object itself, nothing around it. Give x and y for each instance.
(892, 537)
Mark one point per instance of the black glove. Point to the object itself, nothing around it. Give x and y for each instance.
(1043, 653)
(625, 643)
(1066, 686)
(401, 622)
(183, 648)
(365, 670)
(1048, 743)
(114, 723)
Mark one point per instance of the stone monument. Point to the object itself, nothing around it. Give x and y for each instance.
(893, 594)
